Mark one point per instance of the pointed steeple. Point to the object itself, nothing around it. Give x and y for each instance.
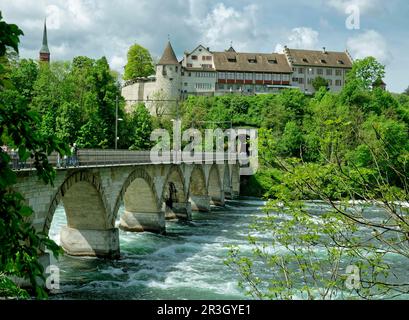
(44, 51)
(168, 56)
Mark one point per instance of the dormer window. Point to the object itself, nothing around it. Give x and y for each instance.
(232, 60)
(252, 60)
(305, 60)
(340, 62)
(323, 61)
(273, 61)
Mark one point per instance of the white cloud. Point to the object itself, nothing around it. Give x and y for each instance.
(370, 43)
(117, 63)
(223, 25)
(53, 14)
(300, 38)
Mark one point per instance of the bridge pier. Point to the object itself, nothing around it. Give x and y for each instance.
(143, 221)
(179, 210)
(234, 195)
(200, 203)
(87, 242)
(218, 200)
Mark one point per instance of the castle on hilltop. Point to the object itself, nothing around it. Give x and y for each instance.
(210, 73)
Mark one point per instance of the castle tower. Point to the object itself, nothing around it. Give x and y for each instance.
(44, 51)
(168, 74)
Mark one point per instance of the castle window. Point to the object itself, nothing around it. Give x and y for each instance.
(222, 75)
(194, 57)
(185, 84)
(329, 72)
(300, 70)
(267, 76)
(338, 83)
(338, 72)
(249, 76)
(320, 71)
(239, 76)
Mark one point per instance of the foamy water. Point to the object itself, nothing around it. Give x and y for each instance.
(186, 263)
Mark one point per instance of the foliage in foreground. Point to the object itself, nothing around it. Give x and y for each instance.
(20, 244)
(349, 151)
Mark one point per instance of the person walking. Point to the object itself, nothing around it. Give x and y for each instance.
(74, 155)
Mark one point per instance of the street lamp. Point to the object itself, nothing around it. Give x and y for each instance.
(116, 123)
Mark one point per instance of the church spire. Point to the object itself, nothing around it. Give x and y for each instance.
(44, 51)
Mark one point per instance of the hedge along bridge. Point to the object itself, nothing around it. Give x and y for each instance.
(93, 192)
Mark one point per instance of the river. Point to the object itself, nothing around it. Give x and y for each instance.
(186, 263)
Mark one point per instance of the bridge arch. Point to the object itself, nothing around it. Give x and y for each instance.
(89, 230)
(174, 195)
(80, 192)
(142, 204)
(176, 177)
(198, 192)
(215, 186)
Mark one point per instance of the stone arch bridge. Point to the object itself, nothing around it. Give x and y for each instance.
(93, 192)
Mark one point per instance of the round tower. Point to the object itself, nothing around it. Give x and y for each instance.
(168, 74)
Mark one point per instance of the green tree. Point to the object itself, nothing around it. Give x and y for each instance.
(142, 127)
(366, 72)
(20, 243)
(139, 63)
(406, 91)
(319, 82)
(23, 76)
(291, 141)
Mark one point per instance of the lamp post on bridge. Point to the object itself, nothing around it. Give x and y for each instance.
(116, 123)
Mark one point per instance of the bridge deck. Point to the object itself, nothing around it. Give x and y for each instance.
(90, 158)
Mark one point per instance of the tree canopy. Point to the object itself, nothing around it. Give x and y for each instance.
(140, 63)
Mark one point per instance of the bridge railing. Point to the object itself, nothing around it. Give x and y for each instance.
(100, 158)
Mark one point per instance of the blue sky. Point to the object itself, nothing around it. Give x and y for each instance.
(108, 28)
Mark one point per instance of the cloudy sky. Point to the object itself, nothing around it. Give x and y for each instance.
(98, 28)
